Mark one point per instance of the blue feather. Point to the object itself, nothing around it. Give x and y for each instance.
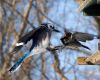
(20, 60)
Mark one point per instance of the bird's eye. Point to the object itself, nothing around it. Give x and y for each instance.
(50, 26)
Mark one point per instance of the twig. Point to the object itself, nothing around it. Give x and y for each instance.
(26, 14)
(27, 21)
(35, 6)
(23, 26)
(56, 64)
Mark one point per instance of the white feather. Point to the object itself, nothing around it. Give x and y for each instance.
(19, 44)
(16, 69)
(41, 48)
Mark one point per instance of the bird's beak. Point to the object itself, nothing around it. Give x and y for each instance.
(56, 30)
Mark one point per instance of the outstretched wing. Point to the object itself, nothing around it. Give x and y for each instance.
(80, 36)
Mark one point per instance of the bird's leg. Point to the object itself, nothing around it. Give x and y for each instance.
(51, 47)
(55, 48)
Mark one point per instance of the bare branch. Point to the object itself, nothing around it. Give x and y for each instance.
(56, 64)
(27, 21)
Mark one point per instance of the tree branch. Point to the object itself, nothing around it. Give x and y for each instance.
(56, 64)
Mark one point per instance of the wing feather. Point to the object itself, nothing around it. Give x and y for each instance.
(83, 36)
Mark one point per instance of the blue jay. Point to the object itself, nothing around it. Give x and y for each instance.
(40, 39)
(72, 39)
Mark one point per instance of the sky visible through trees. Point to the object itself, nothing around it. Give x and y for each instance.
(17, 17)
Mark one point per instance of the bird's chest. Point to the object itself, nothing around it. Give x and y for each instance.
(66, 41)
(41, 47)
(45, 42)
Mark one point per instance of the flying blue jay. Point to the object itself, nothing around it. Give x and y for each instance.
(40, 39)
(72, 40)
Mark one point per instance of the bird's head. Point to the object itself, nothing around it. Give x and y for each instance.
(67, 34)
(50, 26)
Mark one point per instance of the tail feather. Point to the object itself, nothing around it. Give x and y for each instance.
(19, 62)
(85, 47)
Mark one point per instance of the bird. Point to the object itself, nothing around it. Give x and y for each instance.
(73, 40)
(40, 39)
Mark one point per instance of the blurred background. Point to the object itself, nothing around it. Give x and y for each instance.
(17, 17)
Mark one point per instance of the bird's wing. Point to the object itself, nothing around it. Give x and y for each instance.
(27, 37)
(39, 36)
(83, 36)
(23, 40)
